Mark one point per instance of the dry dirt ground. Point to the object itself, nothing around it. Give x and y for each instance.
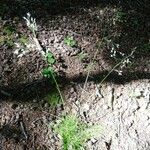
(120, 105)
(122, 111)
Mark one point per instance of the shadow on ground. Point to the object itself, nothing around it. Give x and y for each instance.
(27, 92)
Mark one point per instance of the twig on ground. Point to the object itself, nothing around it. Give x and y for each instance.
(23, 130)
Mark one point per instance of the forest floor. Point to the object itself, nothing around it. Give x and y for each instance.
(89, 41)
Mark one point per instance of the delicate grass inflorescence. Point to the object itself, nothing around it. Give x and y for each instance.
(31, 23)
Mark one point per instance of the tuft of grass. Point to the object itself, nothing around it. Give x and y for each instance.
(75, 133)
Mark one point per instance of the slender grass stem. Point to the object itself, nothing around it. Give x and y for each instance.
(57, 87)
(116, 67)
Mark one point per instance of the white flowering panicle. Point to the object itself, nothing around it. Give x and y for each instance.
(125, 63)
(115, 53)
(31, 22)
(33, 42)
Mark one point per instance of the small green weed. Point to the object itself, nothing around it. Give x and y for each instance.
(70, 41)
(74, 133)
(49, 71)
(8, 36)
(53, 98)
(50, 58)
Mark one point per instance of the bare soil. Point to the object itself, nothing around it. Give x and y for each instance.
(120, 104)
